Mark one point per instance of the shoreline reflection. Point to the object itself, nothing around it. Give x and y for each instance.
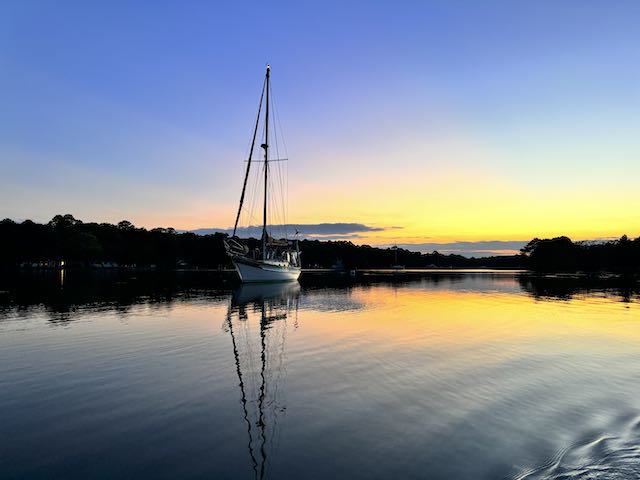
(576, 287)
(28, 293)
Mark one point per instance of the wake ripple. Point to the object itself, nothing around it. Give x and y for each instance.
(605, 457)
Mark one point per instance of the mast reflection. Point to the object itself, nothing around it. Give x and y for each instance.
(258, 319)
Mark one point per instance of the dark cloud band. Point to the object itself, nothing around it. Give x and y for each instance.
(319, 230)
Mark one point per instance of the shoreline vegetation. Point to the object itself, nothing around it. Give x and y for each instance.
(66, 242)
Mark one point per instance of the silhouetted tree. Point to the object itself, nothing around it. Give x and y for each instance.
(561, 254)
(126, 225)
(64, 221)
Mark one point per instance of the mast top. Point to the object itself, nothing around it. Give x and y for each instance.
(268, 68)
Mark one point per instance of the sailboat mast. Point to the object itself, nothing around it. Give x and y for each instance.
(246, 175)
(266, 169)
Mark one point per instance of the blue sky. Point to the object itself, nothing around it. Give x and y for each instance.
(143, 110)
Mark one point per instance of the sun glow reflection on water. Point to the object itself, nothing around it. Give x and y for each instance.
(448, 376)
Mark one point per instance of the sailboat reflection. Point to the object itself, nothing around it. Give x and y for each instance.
(257, 320)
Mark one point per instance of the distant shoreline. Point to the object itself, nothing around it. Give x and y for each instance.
(66, 242)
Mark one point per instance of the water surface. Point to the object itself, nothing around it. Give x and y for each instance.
(442, 375)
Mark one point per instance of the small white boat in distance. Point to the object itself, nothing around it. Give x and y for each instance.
(396, 265)
(279, 259)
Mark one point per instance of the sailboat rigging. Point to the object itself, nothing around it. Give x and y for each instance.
(278, 259)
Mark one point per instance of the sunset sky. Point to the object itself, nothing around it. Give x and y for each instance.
(477, 125)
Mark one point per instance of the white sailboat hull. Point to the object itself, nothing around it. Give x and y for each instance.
(251, 271)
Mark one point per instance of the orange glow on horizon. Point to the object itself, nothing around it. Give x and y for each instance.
(482, 209)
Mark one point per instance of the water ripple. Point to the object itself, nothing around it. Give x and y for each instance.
(604, 457)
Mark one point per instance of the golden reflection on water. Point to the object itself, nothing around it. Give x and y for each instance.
(427, 316)
(433, 361)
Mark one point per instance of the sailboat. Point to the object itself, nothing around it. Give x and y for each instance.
(278, 259)
(396, 265)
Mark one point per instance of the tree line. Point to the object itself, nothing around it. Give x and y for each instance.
(562, 254)
(77, 243)
(68, 239)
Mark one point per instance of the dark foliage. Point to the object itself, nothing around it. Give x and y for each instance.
(75, 242)
(561, 254)
(82, 244)
(327, 254)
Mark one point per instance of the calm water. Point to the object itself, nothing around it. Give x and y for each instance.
(441, 376)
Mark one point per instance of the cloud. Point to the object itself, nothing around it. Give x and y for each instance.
(483, 248)
(348, 236)
(324, 231)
